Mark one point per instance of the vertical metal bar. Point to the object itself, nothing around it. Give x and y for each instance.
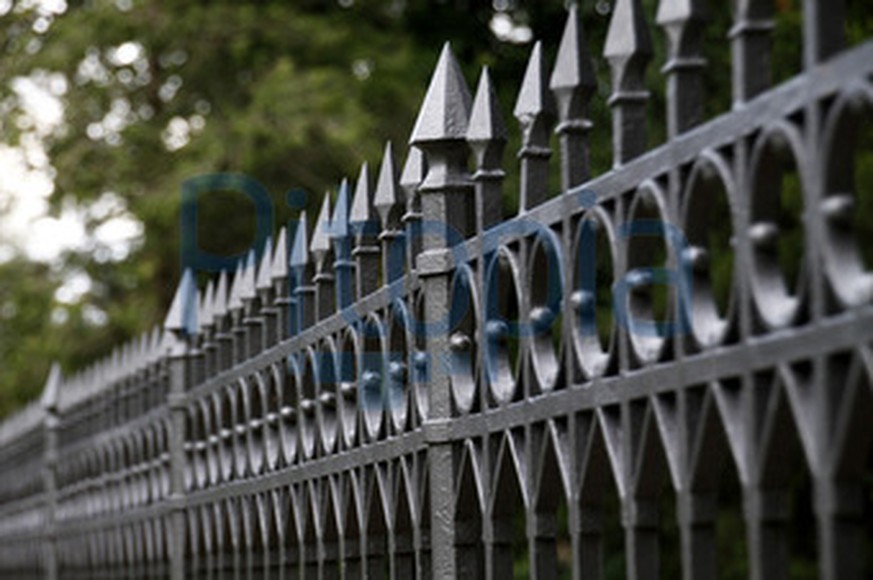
(824, 30)
(446, 206)
(51, 424)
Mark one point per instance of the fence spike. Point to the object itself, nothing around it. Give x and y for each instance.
(535, 111)
(486, 119)
(207, 305)
(279, 265)
(143, 354)
(440, 131)
(182, 317)
(114, 365)
(51, 390)
(340, 218)
(219, 305)
(341, 231)
(414, 170)
(680, 12)
(361, 213)
(751, 47)
(265, 279)
(135, 350)
(300, 248)
(486, 136)
(390, 209)
(320, 243)
(234, 299)
(124, 356)
(247, 289)
(629, 51)
(682, 21)
(628, 44)
(365, 228)
(573, 84)
(446, 108)
(534, 100)
(387, 200)
(302, 267)
(573, 77)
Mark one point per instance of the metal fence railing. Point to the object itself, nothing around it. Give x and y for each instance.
(650, 370)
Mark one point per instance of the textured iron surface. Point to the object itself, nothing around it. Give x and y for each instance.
(359, 402)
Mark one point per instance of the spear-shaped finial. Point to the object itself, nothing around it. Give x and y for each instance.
(440, 131)
(205, 315)
(487, 138)
(51, 390)
(535, 111)
(301, 266)
(320, 243)
(683, 21)
(628, 50)
(365, 226)
(389, 206)
(414, 170)
(279, 265)
(446, 108)
(248, 289)
(182, 316)
(264, 281)
(573, 83)
(219, 302)
(387, 200)
(342, 230)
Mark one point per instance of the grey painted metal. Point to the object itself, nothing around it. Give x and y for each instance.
(229, 444)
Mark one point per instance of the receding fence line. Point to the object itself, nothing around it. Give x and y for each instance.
(422, 387)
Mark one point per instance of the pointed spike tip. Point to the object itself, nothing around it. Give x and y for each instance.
(486, 119)
(628, 36)
(51, 391)
(234, 300)
(300, 249)
(248, 288)
(320, 243)
(279, 266)
(207, 305)
(362, 203)
(182, 317)
(414, 169)
(339, 221)
(387, 199)
(445, 112)
(679, 11)
(534, 98)
(219, 304)
(265, 278)
(574, 68)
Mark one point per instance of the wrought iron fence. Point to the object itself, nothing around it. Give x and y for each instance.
(642, 369)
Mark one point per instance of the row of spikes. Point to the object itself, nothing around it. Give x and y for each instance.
(22, 421)
(448, 113)
(349, 230)
(125, 361)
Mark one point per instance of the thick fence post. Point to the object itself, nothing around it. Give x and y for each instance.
(181, 322)
(49, 470)
(446, 202)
